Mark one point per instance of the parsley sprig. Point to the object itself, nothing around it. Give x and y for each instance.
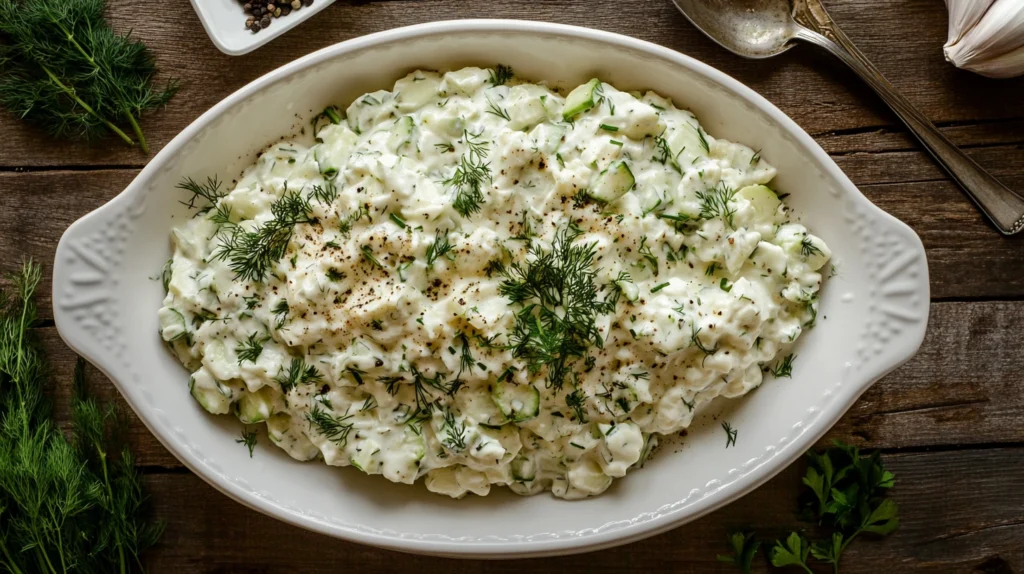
(847, 493)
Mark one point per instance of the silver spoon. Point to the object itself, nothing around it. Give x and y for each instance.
(763, 28)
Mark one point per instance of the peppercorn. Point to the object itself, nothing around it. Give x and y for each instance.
(255, 26)
(296, 4)
(285, 10)
(271, 7)
(265, 22)
(307, 2)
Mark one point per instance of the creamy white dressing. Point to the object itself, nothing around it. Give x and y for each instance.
(350, 345)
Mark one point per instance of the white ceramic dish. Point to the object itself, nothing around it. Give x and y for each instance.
(224, 21)
(873, 312)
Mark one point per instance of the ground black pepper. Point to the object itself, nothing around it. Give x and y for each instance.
(260, 13)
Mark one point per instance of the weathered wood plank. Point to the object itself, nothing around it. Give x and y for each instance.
(809, 85)
(963, 388)
(947, 526)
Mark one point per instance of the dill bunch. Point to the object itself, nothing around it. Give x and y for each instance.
(68, 503)
(62, 67)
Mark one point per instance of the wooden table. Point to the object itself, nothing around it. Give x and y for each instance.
(950, 423)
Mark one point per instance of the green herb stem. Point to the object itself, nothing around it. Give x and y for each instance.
(71, 93)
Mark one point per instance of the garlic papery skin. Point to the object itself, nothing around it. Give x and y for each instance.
(963, 15)
(992, 41)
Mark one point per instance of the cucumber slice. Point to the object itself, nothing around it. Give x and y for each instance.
(517, 402)
(612, 183)
(211, 394)
(523, 469)
(478, 405)
(256, 407)
(629, 290)
(172, 324)
(763, 199)
(416, 90)
(401, 134)
(581, 99)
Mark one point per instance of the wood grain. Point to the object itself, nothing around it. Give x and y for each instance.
(942, 529)
(822, 96)
(949, 421)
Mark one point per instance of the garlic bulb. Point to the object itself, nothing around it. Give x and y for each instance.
(986, 36)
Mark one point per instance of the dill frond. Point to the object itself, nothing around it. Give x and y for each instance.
(251, 253)
(63, 68)
(500, 75)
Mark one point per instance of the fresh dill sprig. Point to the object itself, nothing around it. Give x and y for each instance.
(63, 68)
(251, 253)
(334, 429)
(808, 248)
(298, 373)
(248, 438)
(559, 303)
(500, 75)
(455, 432)
(209, 191)
(439, 248)
(784, 368)
(703, 140)
(345, 222)
(469, 176)
(71, 502)
(649, 257)
(696, 342)
(496, 110)
(730, 434)
(574, 401)
(714, 202)
(663, 154)
(367, 254)
(325, 194)
(445, 147)
(251, 348)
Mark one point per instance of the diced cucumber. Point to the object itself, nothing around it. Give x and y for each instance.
(480, 406)
(256, 407)
(612, 183)
(523, 469)
(525, 107)
(762, 198)
(364, 457)
(172, 324)
(211, 394)
(401, 135)
(547, 137)
(337, 146)
(284, 434)
(517, 402)
(629, 290)
(416, 90)
(587, 479)
(581, 99)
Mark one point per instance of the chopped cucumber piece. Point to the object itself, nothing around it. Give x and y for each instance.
(523, 469)
(629, 290)
(612, 183)
(517, 402)
(481, 407)
(211, 394)
(172, 324)
(256, 407)
(762, 198)
(416, 90)
(581, 99)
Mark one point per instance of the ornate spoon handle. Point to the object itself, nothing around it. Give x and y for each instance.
(1002, 205)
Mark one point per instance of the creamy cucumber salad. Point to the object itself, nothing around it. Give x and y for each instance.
(478, 281)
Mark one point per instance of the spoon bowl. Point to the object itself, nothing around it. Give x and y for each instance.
(750, 28)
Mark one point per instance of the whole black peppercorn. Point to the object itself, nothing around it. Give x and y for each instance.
(307, 2)
(255, 26)
(265, 22)
(247, 7)
(285, 10)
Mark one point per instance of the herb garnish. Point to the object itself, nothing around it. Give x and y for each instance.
(439, 248)
(468, 178)
(209, 190)
(714, 202)
(250, 253)
(455, 432)
(808, 248)
(248, 438)
(70, 501)
(847, 493)
(325, 194)
(500, 75)
(559, 300)
(730, 434)
(334, 429)
(63, 67)
(250, 349)
(784, 368)
(298, 373)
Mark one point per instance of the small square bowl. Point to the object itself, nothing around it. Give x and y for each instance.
(224, 21)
